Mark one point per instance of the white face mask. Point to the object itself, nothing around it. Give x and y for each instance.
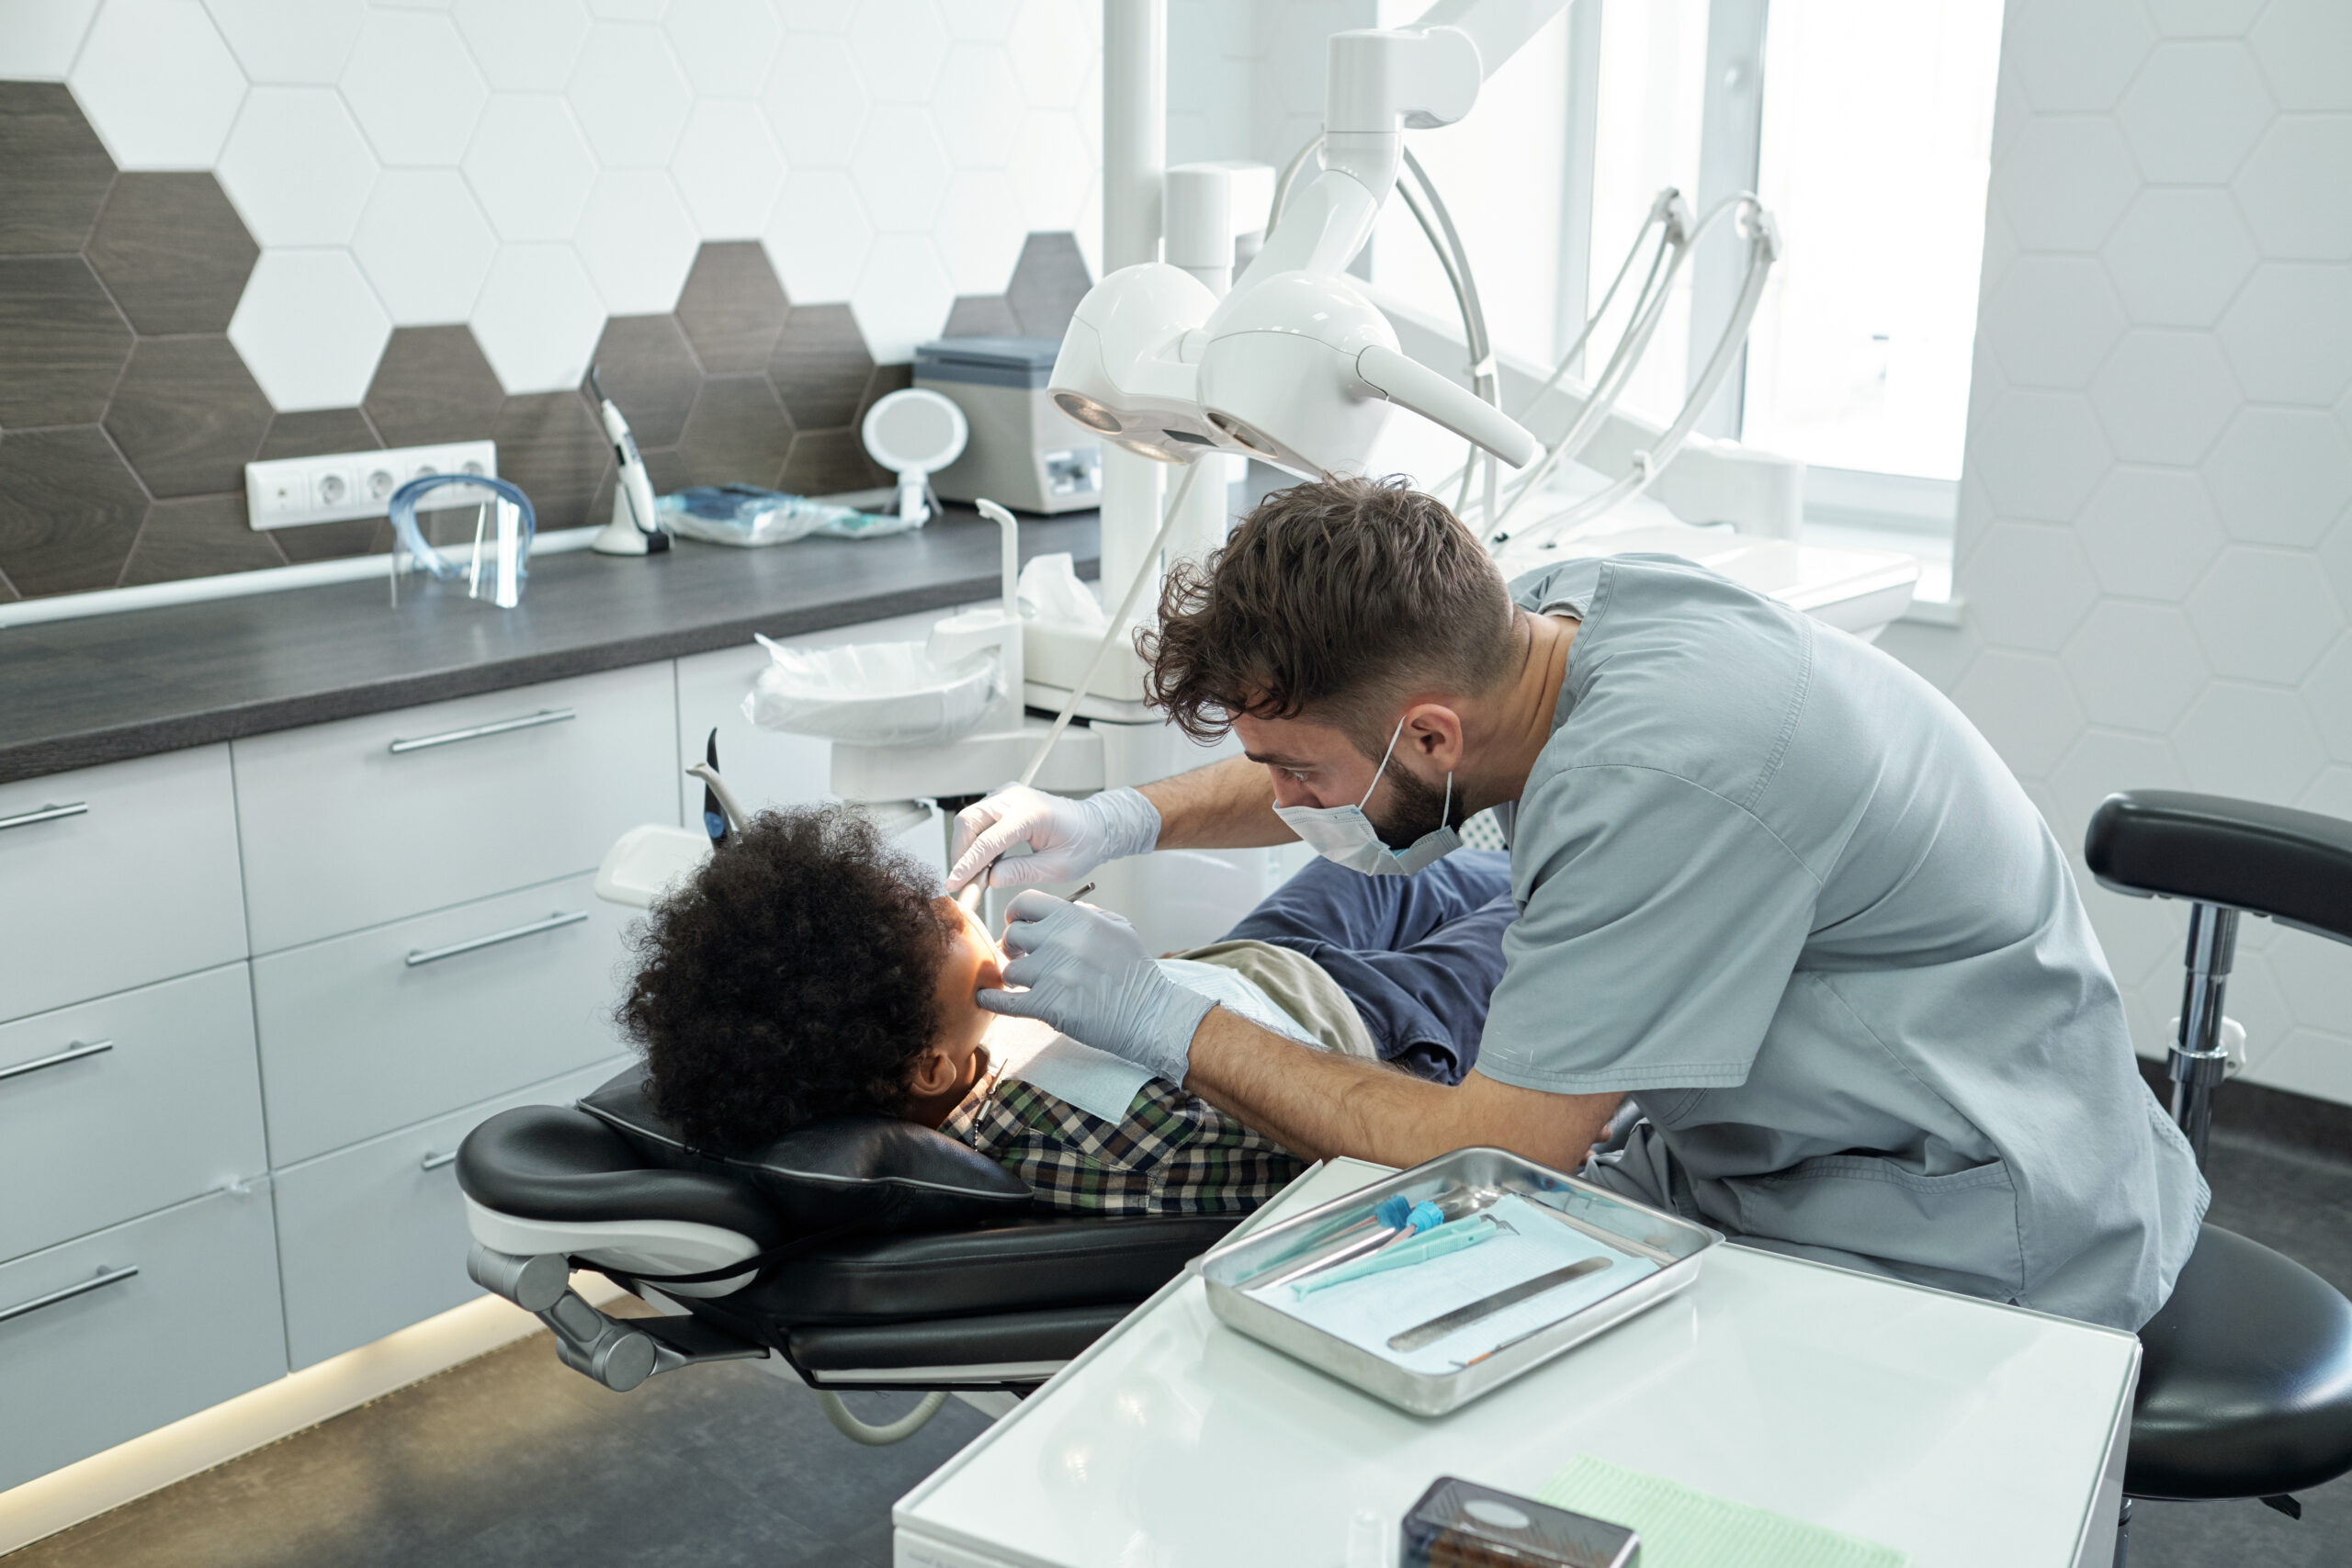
(1344, 834)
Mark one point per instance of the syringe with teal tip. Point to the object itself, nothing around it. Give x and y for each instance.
(1418, 1246)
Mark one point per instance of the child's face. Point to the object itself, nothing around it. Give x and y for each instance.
(973, 965)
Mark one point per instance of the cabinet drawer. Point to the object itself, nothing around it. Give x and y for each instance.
(373, 1237)
(366, 1033)
(197, 1324)
(766, 767)
(341, 831)
(113, 876)
(122, 1106)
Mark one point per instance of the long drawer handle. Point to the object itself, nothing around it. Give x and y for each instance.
(70, 1054)
(475, 944)
(46, 813)
(475, 732)
(97, 1281)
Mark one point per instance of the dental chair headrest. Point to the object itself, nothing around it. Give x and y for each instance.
(876, 1172)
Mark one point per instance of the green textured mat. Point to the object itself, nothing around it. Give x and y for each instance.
(1681, 1527)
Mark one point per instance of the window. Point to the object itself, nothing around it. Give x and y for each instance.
(1877, 140)
(1868, 136)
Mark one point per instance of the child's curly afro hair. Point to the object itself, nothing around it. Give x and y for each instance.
(793, 977)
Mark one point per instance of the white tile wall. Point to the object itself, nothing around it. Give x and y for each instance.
(526, 166)
(2159, 484)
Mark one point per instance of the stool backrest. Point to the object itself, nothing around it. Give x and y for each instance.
(2294, 866)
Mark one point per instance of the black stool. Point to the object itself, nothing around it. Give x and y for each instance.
(2245, 1375)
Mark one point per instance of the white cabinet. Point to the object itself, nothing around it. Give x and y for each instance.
(122, 1106)
(364, 820)
(399, 1023)
(373, 1237)
(115, 875)
(124, 1330)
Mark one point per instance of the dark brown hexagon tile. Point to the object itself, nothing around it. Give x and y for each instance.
(314, 433)
(664, 469)
(188, 415)
(432, 384)
(551, 446)
(738, 433)
(731, 308)
(1049, 281)
(981, 315)
(69, 510)
(823, 462)
(333, 541)
(820, 366)
(197, 536)
(61, 342)
(650, 375)
(173, 250)
(53, 170)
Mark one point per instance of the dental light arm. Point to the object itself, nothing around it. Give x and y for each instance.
(1412, 384)
(1296, 366)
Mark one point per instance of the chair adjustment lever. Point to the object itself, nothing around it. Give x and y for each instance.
(619, 1353)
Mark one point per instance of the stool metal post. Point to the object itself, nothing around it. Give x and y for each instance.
(2198, 1061)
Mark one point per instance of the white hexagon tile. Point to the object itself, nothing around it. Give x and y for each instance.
(2158, 477)
(158, 84)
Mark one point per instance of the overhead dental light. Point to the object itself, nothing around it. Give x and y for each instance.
(1296, 367)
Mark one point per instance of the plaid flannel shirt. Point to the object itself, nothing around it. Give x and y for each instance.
(1171, 1154)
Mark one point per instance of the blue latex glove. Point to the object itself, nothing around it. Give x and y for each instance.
(1067, 838)
(1090, 976)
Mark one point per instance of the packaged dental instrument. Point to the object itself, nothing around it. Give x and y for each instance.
(1522, 1265)
(747, 516)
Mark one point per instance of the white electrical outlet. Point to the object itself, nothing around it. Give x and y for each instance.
(340, 486)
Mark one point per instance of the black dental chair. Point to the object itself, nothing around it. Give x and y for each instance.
(866, 1253)
(2245, 1376)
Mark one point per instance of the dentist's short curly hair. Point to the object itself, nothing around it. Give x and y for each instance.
(1336, 601)
(793, 977)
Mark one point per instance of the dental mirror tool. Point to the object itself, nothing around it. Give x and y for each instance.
(634, 530)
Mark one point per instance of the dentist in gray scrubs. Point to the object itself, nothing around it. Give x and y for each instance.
(1794, 954)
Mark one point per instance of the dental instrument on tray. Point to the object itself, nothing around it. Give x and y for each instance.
(1438, 1327)
(1404, 1251)
(1389, 1223)
(635, 529)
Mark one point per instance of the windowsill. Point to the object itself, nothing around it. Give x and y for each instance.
(1849, 509)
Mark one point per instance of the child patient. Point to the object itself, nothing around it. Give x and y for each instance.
(808, 969)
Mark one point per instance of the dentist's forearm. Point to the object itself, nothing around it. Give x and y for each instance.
(1225, 805)
(1319, 1104)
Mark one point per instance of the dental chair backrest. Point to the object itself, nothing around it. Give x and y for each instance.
(610, 1183)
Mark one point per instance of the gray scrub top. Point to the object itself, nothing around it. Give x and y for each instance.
(1774, 885)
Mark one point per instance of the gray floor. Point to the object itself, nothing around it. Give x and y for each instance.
(515, 1461)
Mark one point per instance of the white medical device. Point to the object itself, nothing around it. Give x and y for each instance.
(1295, 365)
(634, 529)
(914, 432)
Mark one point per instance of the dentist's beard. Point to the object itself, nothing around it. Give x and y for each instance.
(1415, 809)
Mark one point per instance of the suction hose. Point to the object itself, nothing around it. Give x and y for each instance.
(886, 1433)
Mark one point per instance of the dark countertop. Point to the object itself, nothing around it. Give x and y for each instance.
(103, 688)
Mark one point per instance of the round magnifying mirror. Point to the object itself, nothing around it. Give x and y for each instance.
(914, 432)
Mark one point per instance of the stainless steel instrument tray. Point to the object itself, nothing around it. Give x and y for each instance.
(1678, 1247)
